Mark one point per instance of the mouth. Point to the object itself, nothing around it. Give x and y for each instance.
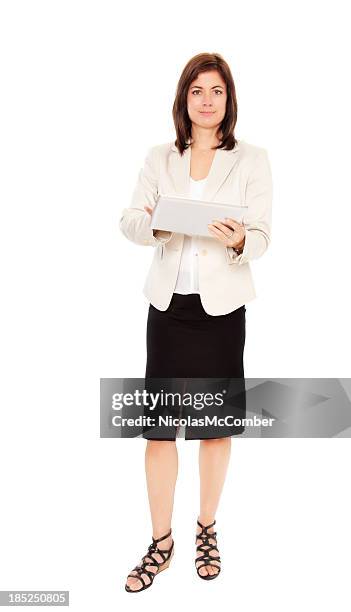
(207, 113)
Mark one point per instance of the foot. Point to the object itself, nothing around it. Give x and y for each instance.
(135, 583)
(214, 568)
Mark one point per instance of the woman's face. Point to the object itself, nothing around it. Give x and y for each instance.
(206, 100)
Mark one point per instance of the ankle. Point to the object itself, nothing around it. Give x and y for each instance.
(206, 519)
(165, 543)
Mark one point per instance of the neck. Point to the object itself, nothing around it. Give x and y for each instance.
(204, 139)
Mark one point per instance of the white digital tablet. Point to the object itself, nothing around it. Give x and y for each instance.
(186, 216)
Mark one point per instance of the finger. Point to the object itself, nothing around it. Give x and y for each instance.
(217, 233)
(234, 224)
(225, 229)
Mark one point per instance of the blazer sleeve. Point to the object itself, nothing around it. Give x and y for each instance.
(135, 221)
(258, 218)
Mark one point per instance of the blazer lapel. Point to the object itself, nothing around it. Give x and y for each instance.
(179, 170)
(222, 163)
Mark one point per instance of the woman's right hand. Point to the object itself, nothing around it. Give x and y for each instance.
(157, 233)
(149, 211)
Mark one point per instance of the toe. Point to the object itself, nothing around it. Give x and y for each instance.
(133, 584)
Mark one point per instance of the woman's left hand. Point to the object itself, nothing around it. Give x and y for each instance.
(231, 233)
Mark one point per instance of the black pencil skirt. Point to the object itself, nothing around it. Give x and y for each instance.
(191, 354)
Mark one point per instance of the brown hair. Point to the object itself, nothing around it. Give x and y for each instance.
(202, 63)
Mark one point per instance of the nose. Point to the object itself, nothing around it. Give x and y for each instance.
(207, 99)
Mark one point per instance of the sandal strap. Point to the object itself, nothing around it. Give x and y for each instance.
(141, 569)
(164, 553)
(209, 547)
(154, 562)
(206, 558)
(206, 554)
(206, 562)
(203, 527)
(139, 578)
(205, 536)
(156, 541)
(205, 550)
(149, 560)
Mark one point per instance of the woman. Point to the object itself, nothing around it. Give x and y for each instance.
(198, 287)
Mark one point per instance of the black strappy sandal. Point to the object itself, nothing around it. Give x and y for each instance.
(205, 547)
(149, 560)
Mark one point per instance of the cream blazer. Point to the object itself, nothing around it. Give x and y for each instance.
(242, 175)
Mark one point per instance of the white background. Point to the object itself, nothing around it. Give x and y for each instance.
(87, 88)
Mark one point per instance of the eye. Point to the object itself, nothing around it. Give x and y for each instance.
(197, 91)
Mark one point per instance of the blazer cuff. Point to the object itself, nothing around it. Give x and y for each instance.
(233, 257)
(163, 236)
(135, 225)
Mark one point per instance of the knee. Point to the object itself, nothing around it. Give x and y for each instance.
(215, 441)
(160, 446)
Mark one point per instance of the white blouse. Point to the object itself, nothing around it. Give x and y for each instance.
(188, 281)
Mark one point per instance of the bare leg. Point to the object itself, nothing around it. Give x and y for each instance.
(214, 455)
(161, 467)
